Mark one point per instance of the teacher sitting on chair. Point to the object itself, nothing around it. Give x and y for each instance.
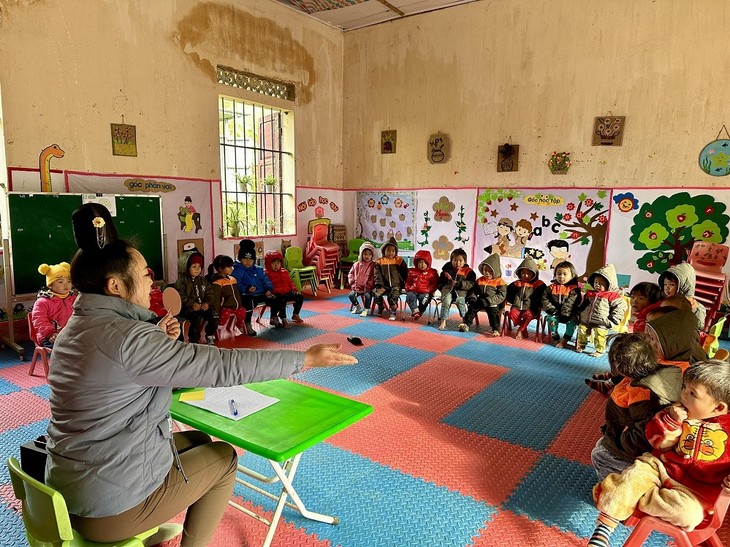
(111, 449)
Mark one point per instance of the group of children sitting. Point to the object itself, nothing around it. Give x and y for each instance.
(592, 309)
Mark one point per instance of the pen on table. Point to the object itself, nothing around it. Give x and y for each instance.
(232, 406)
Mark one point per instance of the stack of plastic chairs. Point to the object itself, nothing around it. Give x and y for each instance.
(323, 255)
(708, 260)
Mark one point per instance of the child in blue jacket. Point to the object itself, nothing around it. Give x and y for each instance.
(254, 284)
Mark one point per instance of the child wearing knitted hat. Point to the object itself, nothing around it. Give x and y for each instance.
(54, 303)
(197, 297)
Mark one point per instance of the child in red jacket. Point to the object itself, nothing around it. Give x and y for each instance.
(689, 465)
(421, 283)
(284, 289)
(54, 304)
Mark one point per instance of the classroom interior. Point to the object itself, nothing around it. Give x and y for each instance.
(479, 442)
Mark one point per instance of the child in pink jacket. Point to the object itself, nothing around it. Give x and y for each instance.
(54, 303)
(362, 279)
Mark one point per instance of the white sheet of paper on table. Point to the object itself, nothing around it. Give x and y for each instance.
(247, 401)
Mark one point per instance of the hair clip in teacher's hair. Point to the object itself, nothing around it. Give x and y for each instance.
(99, 224)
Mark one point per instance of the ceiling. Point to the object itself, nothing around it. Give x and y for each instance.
(353, 14)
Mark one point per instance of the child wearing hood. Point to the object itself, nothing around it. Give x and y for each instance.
(362, 279)
(560, 303)
(254, 284)
(196, 295)
(487, 295)
(455, 283)
(284, 289)
(391, 272)
(421, 283)
(524, 296)
(602, 309)
(682, 279)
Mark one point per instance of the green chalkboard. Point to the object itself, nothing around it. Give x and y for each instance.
(41, 232)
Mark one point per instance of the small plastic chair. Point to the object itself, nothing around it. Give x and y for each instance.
(346, 262)
(46, 517)
(705, 532)
(541, 328)
(40, 353)
(299, 273)
(711, 343)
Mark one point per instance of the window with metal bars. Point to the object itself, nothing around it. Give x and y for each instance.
(257, 168)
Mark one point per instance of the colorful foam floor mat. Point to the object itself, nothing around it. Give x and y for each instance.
(474, 440)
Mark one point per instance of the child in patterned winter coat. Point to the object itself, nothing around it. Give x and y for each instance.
(455, 283)
(54, 304)
(390, 277)
(488, 294)
(254, 284)
(560, 303)
(682, 279)
(689, 464)
(362, 280)
(421, 283)
(197, 297)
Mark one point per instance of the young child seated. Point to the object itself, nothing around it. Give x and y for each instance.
(390, 276)
(284, 289)
(455, 282)
(227, 301)
(645, 297)
(644, 387)
(488, 294)
(421, 283)
(254, 284)
(560, 303)
(54, 303)
(689, 464)
(681, 279)
(362, 280)
(524, 296)
(157, 306)
(601, 309)
(197, 297)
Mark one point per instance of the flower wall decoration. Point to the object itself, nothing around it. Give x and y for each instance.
(443, 209)
(442, 248)
(559, 163)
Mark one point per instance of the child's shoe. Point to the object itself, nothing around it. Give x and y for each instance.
(381, 309)
(357, 310)
(520, 335)
(563, 343)
(442, 325)
(275, 323)
(392, 316)
(210, 339)
(249, 330)
(463, 327)
(416, 315)
(297, 319)
(364, 313)
(285, 323)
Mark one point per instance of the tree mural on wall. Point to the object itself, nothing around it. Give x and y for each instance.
(585, 223)
(670, 225)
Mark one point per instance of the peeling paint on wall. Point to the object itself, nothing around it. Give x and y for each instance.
(212, 33)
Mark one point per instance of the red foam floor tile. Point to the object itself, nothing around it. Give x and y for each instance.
(19, 376)
(576, 440)
(510, 530)
(21, 408)
(420, 339)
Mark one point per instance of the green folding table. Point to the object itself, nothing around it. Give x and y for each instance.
(303, 416)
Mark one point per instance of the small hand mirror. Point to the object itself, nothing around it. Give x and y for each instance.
(171, 300)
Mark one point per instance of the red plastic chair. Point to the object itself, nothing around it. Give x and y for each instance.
(541, 328)
(705, 532)
(40, 353)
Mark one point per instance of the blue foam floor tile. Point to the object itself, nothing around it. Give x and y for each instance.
(375, 504)
(521, 407)
(374, 328)
(493, 354)
(7, 387)
(558, 493)
(42, 391)
(376, 364)
(298, 333)
(12, 531)
(10, 358)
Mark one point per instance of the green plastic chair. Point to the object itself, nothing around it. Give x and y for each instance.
(46, 517)
(346, 262)
(299, 273)
(711, 343)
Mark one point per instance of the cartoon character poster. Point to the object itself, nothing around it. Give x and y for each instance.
(549, 225)
(653, 229)
(385, 214)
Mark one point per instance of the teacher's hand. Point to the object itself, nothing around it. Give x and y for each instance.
(170, 325)
(326, 355)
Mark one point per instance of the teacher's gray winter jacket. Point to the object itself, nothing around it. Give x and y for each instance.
(111, 386)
